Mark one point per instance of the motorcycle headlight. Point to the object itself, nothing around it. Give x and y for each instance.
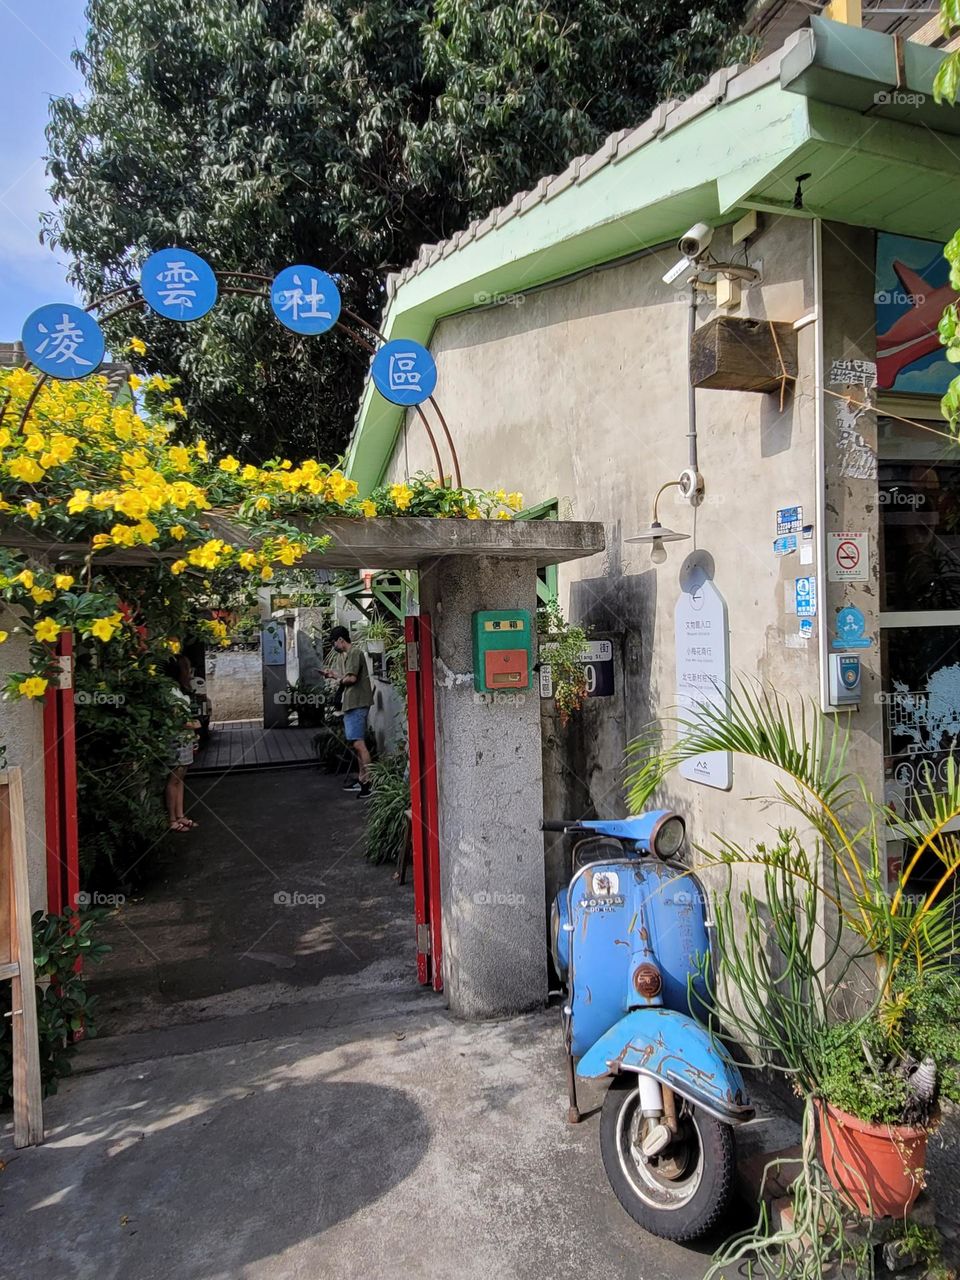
(669, 836)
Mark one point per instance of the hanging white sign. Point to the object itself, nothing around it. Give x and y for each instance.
(703, 671)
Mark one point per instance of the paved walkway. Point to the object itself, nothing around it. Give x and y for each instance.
(275, 1099)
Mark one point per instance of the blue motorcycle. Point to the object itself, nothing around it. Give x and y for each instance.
(629, 939)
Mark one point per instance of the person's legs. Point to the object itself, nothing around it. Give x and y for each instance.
(355, 731)
(174, 798)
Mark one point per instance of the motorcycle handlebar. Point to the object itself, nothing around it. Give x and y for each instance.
(560, 825)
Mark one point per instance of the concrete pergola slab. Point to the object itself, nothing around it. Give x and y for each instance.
(383, 542)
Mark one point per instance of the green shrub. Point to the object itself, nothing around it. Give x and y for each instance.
(63, 1005)
(387, 808)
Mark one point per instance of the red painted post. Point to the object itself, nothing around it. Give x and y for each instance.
(420, 892)
(432, 816)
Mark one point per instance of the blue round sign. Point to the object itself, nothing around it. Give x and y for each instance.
(404, 372)
(178, 284)
(305, 299)
(63, 341)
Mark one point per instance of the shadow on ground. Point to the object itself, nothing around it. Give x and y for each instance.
(270, 900)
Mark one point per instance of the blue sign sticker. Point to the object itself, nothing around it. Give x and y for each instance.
(305, 299)
(786, 545)
(850, 626)
(806, 628)
(404, 372)
(789, 520)
(178, 284)
(806, 595)
(63, 341)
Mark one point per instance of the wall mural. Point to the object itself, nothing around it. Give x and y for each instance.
(912, 290)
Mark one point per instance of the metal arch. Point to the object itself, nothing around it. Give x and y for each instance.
(236, 290)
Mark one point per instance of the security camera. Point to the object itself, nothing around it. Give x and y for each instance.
(696, 241)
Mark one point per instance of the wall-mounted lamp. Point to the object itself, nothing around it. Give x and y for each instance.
(690, 485)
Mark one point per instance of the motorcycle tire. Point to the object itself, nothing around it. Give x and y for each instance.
(681, 1194)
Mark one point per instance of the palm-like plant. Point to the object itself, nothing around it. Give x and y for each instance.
(809, 752)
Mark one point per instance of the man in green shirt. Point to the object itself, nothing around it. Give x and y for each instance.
(357, 697)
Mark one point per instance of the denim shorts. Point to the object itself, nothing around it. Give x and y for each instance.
(355, 724)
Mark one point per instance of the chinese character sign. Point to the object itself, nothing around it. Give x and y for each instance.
(63, 341)
(404, 372)
(305, 300)
(178, 284)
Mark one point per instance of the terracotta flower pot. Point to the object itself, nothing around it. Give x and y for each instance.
(877, 1168)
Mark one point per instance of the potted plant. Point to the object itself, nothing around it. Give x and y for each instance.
(561, 647)
(377, 636)
(845, 1013)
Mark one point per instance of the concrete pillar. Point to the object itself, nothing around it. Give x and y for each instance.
(490, 799)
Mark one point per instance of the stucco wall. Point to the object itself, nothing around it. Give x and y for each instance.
(579, 392)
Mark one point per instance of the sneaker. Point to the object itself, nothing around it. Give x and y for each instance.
(352, 784)
(365, 790)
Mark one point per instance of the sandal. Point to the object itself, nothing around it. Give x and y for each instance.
(189, 823)
(178, 825)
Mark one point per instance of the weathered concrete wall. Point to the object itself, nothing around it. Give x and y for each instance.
(235, 684)
(579, 392)
(21, 732)
(490, 801)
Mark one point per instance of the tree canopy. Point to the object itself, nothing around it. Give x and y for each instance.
(337, 134)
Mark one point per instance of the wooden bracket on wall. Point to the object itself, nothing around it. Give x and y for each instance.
(733, 353)
(16, 962)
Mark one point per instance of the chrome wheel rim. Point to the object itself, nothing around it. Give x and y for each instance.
(671, 1180)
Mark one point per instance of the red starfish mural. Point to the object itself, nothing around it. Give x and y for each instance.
(914, 334)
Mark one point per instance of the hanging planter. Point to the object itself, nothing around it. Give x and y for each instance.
(877, 1168)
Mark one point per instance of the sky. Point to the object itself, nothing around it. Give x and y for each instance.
(36, 40)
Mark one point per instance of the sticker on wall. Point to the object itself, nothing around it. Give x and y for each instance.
(853, 373)
(789, 520)
(786, 545)
(805, 629)
(858, 461)
(702, 640)
(848, 557)
(806, 596)
(806, 554)
(850, 626)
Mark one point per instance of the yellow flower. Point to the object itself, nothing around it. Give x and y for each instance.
(63, 447)
(287, 555)
(134, 381)
(178, 531)
(248, 473)
(26, 577)
(229, 463)
(25, 469)
(100, 540)
(401, 495)
(176, 406)
(515, 501)
(368, 508)
(148, 531)
(43, 595)
(5, 437)
(247, 560)
(501, 495)
(203, 452)
(103, 628)
(63, 581)
(473, 513)
(266, 573)
(20, 382)
(79, 502)
(178, 566)
(173, 644)
(179, 457)
(35, 443)
(137, 346)
(33, 687)
(32, 509)
(4, 636)
(47, 630)
(504, 515)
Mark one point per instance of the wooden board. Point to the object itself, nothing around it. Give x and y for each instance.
(732, 353)
(6, 889)
(27, 1092)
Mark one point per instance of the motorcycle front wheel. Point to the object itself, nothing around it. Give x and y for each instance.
(679, 1194)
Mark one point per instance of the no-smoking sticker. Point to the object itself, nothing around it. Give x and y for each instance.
(848, 557)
